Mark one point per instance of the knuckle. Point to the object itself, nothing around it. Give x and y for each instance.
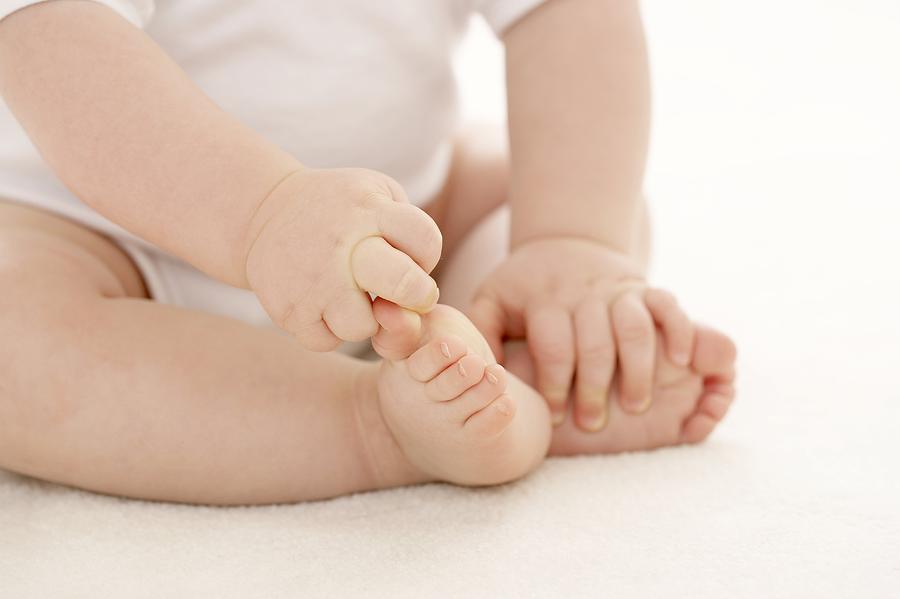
(372, 192)
(432, 240)
(367, 328)
(407, 284)
(350, 318)
(378, 188)
(286, 315)
(599, 354)
(371, 199)
(633, 329)
(289, 320)
(304, 327)
(554, 352)
(662, 298)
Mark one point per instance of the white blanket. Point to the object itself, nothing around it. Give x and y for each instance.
(775, 187)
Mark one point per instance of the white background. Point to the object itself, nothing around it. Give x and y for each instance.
(774, 182)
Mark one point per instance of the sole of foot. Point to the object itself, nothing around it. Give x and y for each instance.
(455, 414)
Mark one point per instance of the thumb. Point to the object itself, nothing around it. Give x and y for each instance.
(490, 319)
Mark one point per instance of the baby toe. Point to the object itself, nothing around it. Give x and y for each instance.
(714, 354)
(434, 357)
(494, 418)
(478, 396)
(697, 428)
(456, 378)
(716, 400)
(712, 407)
(495, 375)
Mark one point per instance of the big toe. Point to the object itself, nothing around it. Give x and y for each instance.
(445, 320)
(715, 401)
(400, 330)
(714, 357)
(714, 354)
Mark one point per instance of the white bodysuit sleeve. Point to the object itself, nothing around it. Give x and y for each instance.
(137, 12)
(500, 14)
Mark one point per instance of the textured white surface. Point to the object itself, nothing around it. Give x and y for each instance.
(775, 186)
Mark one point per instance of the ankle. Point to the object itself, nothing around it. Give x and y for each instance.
(385, 461)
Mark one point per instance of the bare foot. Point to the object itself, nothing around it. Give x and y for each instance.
(688, 402)
(455, 413)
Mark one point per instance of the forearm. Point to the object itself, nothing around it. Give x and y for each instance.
(579, 119)
(125, 129)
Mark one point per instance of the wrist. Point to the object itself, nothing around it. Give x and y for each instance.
(288, 188)
(564, 241)
(618, 223)
(624, 240)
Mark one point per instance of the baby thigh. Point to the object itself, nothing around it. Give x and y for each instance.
(104, 389)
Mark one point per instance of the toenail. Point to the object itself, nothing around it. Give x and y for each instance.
(445, 349)
(459, 367)
(502, 406)
(492, 378)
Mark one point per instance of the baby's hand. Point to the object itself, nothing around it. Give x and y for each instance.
(582, 305)
(326, 237)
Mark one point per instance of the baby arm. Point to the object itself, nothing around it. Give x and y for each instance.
(579, 121)
(579, 106)
(126, 130)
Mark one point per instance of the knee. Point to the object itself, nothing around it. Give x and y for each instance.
(49, 288)
(38, 267)
(48, 293)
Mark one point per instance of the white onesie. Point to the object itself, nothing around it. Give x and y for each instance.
(337, 83)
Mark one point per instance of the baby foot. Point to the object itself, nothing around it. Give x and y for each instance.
(455, 413)
(688, 402)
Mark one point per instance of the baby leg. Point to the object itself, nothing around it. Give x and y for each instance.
(105, 390)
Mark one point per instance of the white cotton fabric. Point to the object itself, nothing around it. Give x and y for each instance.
(137, 12)
(501, 14)
(337, 84)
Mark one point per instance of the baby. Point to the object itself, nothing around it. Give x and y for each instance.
(174, 181)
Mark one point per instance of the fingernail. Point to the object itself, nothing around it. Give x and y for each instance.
(641, 406)
(596, 423)
(492, 378)
(433, 298)
(558, 418)
(445, 349)
(459, 367)
(593, 415)
(429, 304)
(682, 358)
(555, 394)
